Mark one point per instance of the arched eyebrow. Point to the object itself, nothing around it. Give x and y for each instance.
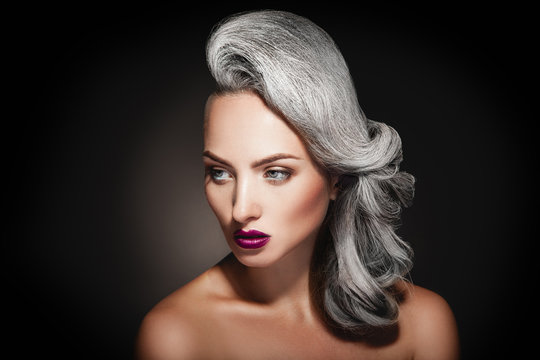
(216, 158)
(272, 158)
(255, 164)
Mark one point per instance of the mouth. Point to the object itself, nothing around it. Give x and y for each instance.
(251, 239)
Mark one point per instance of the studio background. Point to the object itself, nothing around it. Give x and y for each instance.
(110, 211)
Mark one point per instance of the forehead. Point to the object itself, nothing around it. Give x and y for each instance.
(241, 124)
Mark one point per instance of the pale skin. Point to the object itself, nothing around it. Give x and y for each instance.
(255, 303)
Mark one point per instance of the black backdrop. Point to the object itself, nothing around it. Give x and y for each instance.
(109, 211)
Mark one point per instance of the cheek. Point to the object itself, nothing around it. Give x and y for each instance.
(217, 199)
(306, 206)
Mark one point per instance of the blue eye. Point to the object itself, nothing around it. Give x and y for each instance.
(277, 175)
(219, 174)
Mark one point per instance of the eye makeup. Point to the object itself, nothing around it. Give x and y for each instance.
(277, 175)
(273, 175)
(219, 174)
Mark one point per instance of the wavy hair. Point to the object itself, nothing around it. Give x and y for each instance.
(298, 70)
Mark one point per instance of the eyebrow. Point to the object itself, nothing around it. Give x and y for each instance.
(255, 164)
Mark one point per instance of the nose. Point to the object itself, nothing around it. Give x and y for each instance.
(246, 206)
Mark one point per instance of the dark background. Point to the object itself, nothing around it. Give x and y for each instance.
(105, 141)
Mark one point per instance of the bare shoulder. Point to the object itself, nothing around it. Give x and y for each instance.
(430, 323)
(165, 334)
(175, 327)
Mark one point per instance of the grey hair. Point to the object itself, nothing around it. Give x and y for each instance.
(298, 70)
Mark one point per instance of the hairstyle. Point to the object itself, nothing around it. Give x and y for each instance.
(298, 70)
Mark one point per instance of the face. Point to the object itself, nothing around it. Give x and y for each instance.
(269, 196)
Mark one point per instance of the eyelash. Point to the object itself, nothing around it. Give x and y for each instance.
(212, 172)
(282, 175)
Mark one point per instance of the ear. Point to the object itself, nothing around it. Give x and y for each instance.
(334, 187)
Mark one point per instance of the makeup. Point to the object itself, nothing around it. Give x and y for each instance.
(251, 239)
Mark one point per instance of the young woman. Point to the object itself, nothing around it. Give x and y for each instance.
(307, 191)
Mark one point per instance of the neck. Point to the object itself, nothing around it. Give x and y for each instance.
(283, 285)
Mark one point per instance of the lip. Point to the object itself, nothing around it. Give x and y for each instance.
(251, 239)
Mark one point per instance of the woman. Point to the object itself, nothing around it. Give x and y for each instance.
(308, 192)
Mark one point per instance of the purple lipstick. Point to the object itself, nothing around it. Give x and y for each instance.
(251, 239)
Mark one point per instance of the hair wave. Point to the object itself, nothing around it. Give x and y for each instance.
(298, 70)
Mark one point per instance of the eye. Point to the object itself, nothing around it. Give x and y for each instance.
(219, 175)
(277, 175)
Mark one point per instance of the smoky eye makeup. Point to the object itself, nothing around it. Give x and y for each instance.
(277, 175)
(219, 171)
(273, 175)
(218, 174)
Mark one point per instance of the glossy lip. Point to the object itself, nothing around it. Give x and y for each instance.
(251, 239)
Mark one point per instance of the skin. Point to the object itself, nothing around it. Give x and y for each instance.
(255, 303)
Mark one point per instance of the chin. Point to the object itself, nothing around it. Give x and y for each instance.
(269, 255)
(255, 258)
